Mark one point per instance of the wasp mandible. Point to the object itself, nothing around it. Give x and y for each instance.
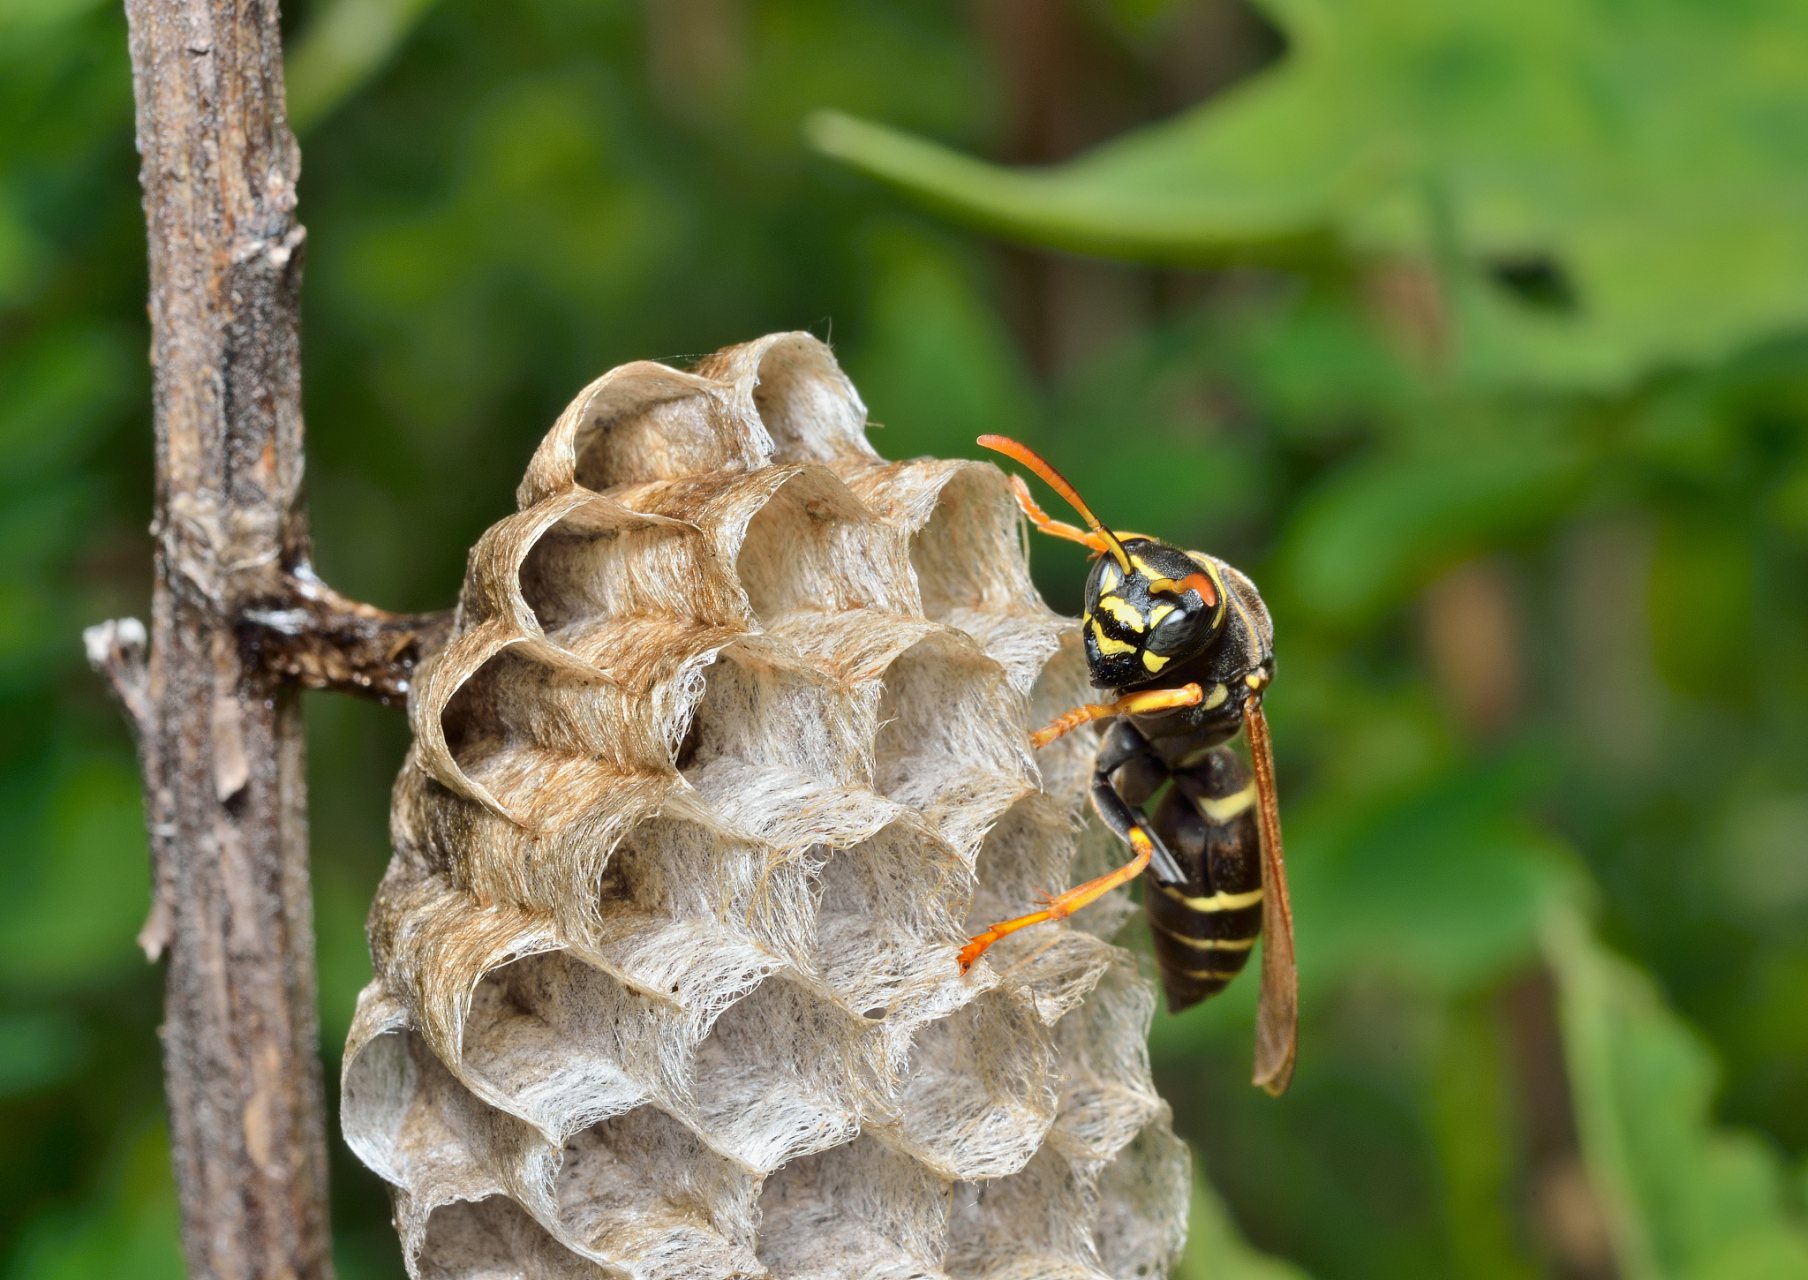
(1187, 645)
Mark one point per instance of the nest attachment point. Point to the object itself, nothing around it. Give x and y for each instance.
(726, 756)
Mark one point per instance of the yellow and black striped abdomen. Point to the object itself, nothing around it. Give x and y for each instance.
(1204, 929)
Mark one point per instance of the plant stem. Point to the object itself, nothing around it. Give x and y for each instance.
(238, 621)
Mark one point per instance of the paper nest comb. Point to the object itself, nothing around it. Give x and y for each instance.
(726, 757)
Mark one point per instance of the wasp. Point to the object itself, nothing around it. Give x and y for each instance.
(1186, 644)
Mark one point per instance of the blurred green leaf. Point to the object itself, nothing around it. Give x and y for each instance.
(345, 43)
(1215, 1249)
(55, 396)
(1387, 523)
(938, 368)
(76, 883)
(37, 1049)
(1607, 187)
(1686, 1200)
(131, 1230)
(1472, 1116)
(1440, 891)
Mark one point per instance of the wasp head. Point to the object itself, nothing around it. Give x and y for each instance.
(1168, 607)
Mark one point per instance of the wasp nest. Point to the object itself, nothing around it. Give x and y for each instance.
(727, 756)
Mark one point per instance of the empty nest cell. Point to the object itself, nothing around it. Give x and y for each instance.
(813, 549)
(640, 1191)
(1142, 1198)
(950, 741)
(886, 925)
(856, 1212)
(971, 573)
(496, 1239)
(564, 1045)
(1031, 1225)
(979, 1092)
(783, 1073)
(764, 710)
(695, 914)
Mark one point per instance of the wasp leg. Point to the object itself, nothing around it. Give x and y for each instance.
(1131, 704)
(1123, 746)
(1136, 771)
(1064, 905)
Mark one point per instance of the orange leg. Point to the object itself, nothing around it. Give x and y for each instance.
(1131, 704)
(1059, 908)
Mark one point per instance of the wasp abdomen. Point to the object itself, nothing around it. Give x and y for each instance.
(1205, 927)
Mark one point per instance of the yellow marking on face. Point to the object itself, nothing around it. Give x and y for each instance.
(1154, 661)
(1142, 566)
(1111, 577)
(1123, 611)
(1216, 697)
(1106, 644)
(1223, 810)
(1158, 613)
(1217, 902)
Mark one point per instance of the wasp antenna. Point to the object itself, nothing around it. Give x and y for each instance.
(1056, 481)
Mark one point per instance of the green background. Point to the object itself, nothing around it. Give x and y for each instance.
(1475, 330)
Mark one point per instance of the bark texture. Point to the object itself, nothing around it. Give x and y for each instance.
(224, 753)
(238, 621)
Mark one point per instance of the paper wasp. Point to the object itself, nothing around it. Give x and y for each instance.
(1187, 644)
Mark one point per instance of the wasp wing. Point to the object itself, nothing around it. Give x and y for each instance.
(1277, 1012)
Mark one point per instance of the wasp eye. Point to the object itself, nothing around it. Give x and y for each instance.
(1175, 628)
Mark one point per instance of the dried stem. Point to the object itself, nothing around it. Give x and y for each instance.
(237, 621)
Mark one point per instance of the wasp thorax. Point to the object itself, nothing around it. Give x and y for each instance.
(728, 755)
(1166, 608)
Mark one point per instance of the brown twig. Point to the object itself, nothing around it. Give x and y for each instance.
(312, 636)
(238, 621)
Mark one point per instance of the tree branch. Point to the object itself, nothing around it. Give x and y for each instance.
(312, 636)
(238, 620)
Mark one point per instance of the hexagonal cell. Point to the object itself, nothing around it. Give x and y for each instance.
(805, 401)
(886, 926)
(641, 1192)
(586, 567)
(496, 1239)
(856, 1212)
(1032, 1225)
(1107, 1095)
(1097, 852)
(1142, 1198)
(784, 1073)
(1023, 861)
(1066, 763)
(567, 1045)
(644, 422)
(516, 701)
(950, 742)
(784, 719)
(972, 575)
(696, 916)
(813, 548)
(430, 1138)
(979, 1092)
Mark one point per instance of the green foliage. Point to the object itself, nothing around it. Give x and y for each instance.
(1605, 187)
(1684, 1198)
